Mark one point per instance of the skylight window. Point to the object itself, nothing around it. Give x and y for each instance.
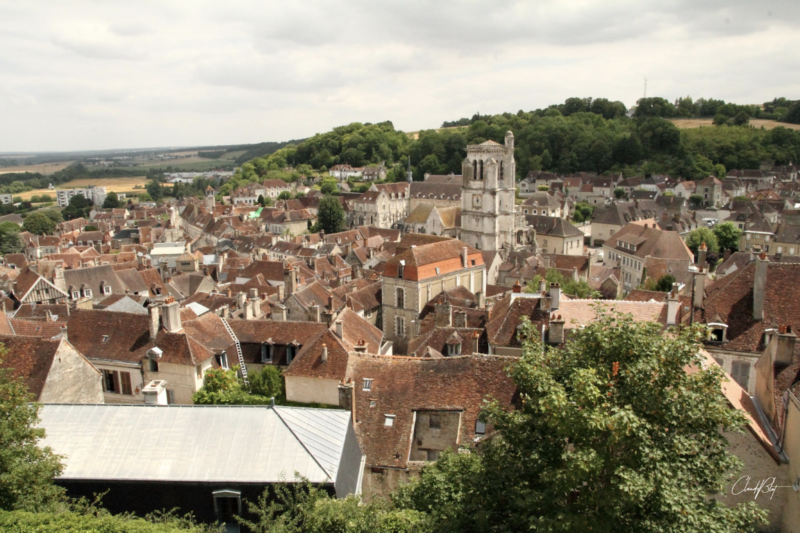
(389, 421)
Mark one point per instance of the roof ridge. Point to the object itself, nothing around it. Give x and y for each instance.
(303, 444)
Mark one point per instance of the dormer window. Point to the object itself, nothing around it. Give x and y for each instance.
(267, 351)
(87, 293)
(106, 289)
(76, 295)
(453, 349)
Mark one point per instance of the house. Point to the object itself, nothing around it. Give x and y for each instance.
(437, 190)
(642, 251)
(710, 188)
(418, 273)
(52, 369)
(410, 410)
(226, 454)
(556, 235)
(743, 311)
(131, 350)
(92, 282)
(30, 287)
(609, 219)
(321, 362)
(542, 203)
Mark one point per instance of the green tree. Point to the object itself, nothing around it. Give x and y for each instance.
(696, 200)
(46, 198)
(111, 201)
(728, 236)
(328, 186)
(619, 192)
(90, 227)
(145, 197)
(611, 434)
(223, 387)
(35, 199)
(699, 236)
(27, 470)
(570, 287)
(582, 212)
(10, 241)
(155, 190)
(54, 215)
(543, 188)
(330, 215)
(664, 283)
(261, 200)
(266, 383)
(39, 224)
(285, 195)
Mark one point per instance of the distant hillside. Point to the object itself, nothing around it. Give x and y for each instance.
(253, 151)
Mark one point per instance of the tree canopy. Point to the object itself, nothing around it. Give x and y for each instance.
(330, 215)
(728, 236)
(111, 201)
(702, 235)
(612, 434)
(39, 223)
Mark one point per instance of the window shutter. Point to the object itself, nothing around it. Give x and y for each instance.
(116, 382)
(126, 383)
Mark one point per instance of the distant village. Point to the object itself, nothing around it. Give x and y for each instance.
(404, 322)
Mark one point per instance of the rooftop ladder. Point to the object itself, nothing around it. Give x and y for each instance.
(242, 367)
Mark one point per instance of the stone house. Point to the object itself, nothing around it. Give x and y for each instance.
(556, 235)
(52, 369)
(437, 190)
(418, 273)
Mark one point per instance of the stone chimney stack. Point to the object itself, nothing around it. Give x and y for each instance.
(253, 310)
(339, 329)
(58, 277)
(760, 286)
(542, 285)
(555, 335)
(786, 343)
(555, 296)
(699, 288)
(289, 281)
(241, 298)
(481, 297)
(324, 356)
(464, 257)
(155, 321)
(673, 304)
(442, 315)
(517, 288)
(279, 313)
(702, 251)
(314, 313)
(460, 319)
(171, 315)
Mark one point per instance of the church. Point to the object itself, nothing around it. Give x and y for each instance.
(490, 220)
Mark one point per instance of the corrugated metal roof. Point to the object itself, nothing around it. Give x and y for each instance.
(196, 443)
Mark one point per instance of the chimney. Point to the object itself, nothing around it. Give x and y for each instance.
(155, 319)
(786, 342)
(460, 319)
(555, 296)
(464, 257)
(481, 299)
(155, 393)
(517, 288)
(226, 312)
(241, 298)
(254, 294)
(64, 333)
(339, 329)
(361, 347)
(279, 313)
(673, 304)
(701, 254)
(476, 337)
(281, 293)
(442, 315)
(324, 356)
(760, 286)
(314, 315)
(58, 277)
(555, 335)
(289, 281)
(542, 285)
(171, 315)
(699, 288)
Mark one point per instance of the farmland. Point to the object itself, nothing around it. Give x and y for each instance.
(755, 122)
(125, 185)
(42, 168)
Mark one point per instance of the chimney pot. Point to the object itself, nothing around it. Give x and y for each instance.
(339, 329)
(324, 356)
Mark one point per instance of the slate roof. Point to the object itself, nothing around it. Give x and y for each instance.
(651, 242)
(553, 226)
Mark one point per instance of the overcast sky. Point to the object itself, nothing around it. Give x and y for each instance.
(78, 75)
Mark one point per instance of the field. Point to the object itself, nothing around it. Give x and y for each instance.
(125, 185)
(755, 122)
(197, 164)
(43, 168)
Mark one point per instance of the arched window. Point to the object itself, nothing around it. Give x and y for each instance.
(474, 170)
(481, 162)
(400, 298)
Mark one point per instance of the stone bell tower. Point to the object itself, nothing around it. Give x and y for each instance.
(488, 209)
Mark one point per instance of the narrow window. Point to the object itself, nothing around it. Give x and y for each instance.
(153, 365)
(400, 298)
(223, 360)
(434, 422)
(367, 384)
(399, 326)
(290, 352)
(266, 353)
(125, 379)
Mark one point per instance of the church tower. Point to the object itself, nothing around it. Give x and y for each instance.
(209, 201)
(488, 195)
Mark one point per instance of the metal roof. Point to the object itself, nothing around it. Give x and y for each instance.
(245, 444)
